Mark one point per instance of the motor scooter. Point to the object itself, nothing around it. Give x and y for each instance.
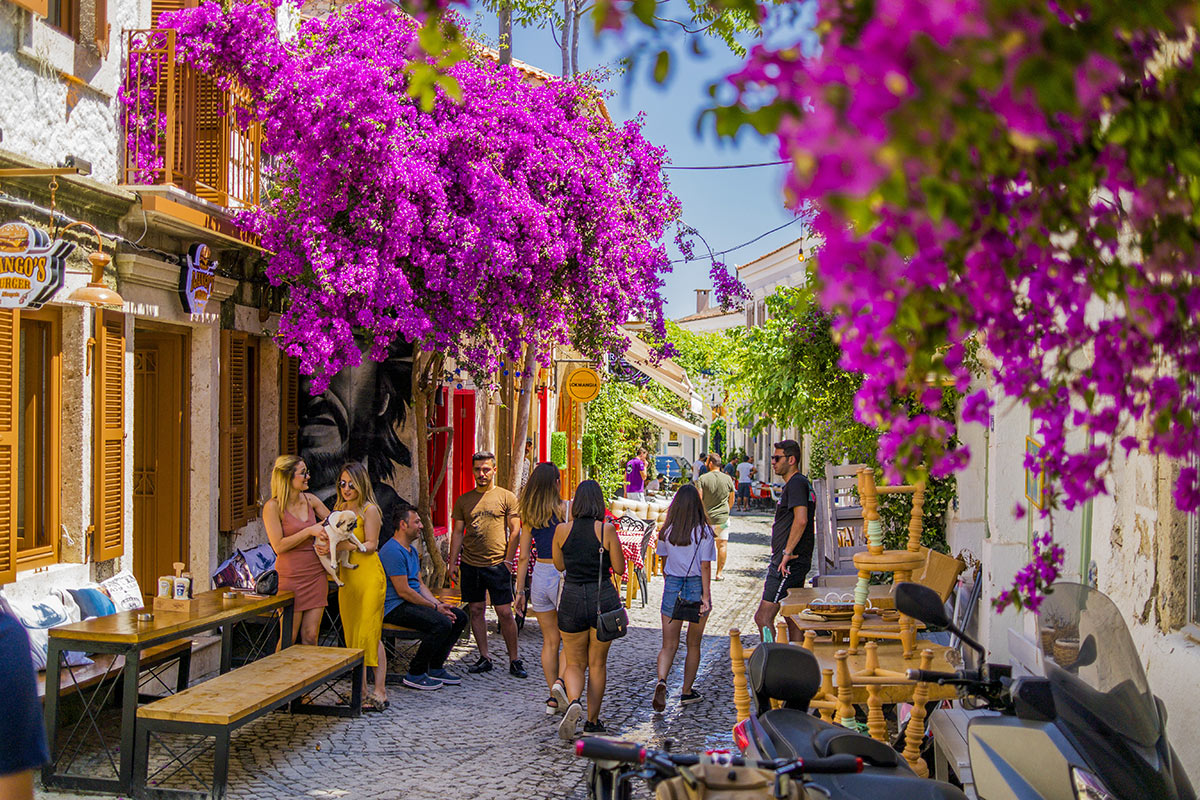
(792, 675)
(1087, 729)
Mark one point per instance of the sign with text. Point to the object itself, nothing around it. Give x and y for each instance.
(31, 266)
(583, 385)
(197, 278)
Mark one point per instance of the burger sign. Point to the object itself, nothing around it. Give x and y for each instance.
(31, 266)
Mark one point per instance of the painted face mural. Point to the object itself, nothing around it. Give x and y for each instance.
(362, 416)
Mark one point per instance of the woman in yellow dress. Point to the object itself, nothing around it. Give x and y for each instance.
(360, 600)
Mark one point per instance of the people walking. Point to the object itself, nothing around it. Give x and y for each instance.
(686, 544)
(360, 598)
(745, 475)
(408, 602)
(293, 520)
(635, 476)
(542, 511)
(587, 551)
(717, 495)
(791, 534)
(485, 520)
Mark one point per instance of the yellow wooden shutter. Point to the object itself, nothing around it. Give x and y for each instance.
(108, 475)
(289, 405)
(10, 338)
(101, 30)
(39, 7)
(234, 430)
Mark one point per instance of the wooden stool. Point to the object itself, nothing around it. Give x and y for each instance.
(901, 563)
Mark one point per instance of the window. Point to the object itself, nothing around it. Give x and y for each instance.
(239, 430)
(64, 15)
(30, 373)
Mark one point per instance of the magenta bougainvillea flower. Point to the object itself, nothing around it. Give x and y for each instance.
(512, 212)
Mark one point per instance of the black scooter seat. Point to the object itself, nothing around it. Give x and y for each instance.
(797, 734)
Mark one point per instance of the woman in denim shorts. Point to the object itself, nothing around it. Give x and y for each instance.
(541, 512)
(687, 545)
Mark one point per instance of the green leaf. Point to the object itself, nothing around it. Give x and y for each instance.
(662, 66)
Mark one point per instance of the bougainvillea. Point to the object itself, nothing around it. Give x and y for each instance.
(512, 213)
(144, 122)
(1024, 173)
(1034, 578)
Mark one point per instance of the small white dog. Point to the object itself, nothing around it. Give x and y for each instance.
(339, 527)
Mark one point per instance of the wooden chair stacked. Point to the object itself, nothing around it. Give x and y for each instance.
(900, 563)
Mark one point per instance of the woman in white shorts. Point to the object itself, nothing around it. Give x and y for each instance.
(541, 511)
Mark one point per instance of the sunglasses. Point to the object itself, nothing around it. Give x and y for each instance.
(777, 458)
(302, 473)
(345, 485)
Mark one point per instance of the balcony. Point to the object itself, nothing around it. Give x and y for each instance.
(183, 130)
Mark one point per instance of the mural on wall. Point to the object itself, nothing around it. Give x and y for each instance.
(365, 416)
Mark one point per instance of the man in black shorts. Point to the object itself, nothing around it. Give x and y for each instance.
(485, 523)
(791, 534)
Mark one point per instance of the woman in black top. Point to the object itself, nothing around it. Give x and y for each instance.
(587, 551)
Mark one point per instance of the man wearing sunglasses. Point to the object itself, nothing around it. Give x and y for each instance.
(791, 534)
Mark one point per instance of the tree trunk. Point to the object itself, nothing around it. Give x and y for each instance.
(565, 41)
(425, 367)
(505, 19)
(578, 11)
(521, 425)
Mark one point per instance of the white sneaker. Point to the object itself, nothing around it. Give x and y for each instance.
(570, 721)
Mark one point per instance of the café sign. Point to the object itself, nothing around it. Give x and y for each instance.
(583, 385)
(197, 278)
(31, 266)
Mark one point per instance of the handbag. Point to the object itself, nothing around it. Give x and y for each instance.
(688, 610)
(267, 583)
(609, 624)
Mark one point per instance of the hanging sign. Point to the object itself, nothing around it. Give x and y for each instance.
(31, 266)
(197, 278)
(583, 385)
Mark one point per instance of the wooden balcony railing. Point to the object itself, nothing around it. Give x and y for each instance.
(182, 129)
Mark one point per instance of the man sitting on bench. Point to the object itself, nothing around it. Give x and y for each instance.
(409, 603)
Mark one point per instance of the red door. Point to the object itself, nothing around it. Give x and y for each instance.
(440, 502)
(464, 441)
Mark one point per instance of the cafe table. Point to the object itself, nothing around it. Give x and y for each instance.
(839, 629)
(127, 636)
(796, 600)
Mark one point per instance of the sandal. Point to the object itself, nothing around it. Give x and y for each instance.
(372, 704)
(559, 692)
(659, 703)
(551, 706)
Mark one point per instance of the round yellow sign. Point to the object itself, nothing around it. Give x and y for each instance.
(583, 385)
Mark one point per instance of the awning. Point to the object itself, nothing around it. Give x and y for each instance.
(666, 421)
(665, 372)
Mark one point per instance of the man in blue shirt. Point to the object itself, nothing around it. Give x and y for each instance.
(409, 603)
(22, 737)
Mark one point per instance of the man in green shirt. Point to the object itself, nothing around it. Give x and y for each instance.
(716, 492)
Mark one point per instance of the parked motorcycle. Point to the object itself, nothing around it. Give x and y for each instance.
(1088, 729)
(792, 675)
(714, 775)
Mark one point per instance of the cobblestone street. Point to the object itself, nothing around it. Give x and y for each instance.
(490, 737)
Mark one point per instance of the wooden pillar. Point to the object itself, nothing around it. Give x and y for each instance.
(845, 690)
(737, 656)
(915, 732)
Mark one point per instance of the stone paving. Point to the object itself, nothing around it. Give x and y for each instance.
(490, 737)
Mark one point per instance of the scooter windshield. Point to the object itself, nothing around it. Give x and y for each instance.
(1092, 664)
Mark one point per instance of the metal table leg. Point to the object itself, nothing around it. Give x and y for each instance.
(53, 676)
(129, 705)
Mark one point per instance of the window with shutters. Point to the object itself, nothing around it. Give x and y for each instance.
(239, 429)
(30, 397)
(64, 15)
(289, 405)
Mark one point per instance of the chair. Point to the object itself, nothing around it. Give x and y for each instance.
(840, 522)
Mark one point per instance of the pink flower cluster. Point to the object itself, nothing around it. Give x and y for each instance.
(514, 214)
(1018, 172)
(1033, 579)
(144, 122)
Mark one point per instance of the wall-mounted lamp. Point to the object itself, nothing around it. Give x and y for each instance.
(96, 293)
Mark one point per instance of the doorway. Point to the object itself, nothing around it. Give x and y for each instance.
(159, 451)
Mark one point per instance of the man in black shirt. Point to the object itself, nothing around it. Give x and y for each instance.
(791, 534)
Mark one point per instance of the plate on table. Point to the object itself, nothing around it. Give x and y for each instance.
(832, 611)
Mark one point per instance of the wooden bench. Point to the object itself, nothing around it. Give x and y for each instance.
(220, 706)
(392, 634)
(107, 666)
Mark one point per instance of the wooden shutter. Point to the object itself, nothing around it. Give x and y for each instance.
(289, 405)
(10, 338)
(157, 7)
(39, 7)
(108, 474)
(101, 30)
(234, 430)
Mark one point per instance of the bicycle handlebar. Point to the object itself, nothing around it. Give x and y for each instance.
(607, 750)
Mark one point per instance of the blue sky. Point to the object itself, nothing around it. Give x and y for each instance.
(728, 207)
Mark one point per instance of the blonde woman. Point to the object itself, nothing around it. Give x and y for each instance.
(541, 512)
(293, 519)
(360, 600)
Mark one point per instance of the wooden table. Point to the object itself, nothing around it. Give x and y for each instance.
(123, 634)
(796, 600)
(840, 628)
(891, 658)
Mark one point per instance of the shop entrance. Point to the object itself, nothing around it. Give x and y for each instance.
(159, 452)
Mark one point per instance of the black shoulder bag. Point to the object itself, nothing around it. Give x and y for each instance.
(609, 624)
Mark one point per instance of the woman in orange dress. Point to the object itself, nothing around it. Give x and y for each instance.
(294, 522)
(360, 600)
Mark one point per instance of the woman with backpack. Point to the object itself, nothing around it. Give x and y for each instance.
(688, 548)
